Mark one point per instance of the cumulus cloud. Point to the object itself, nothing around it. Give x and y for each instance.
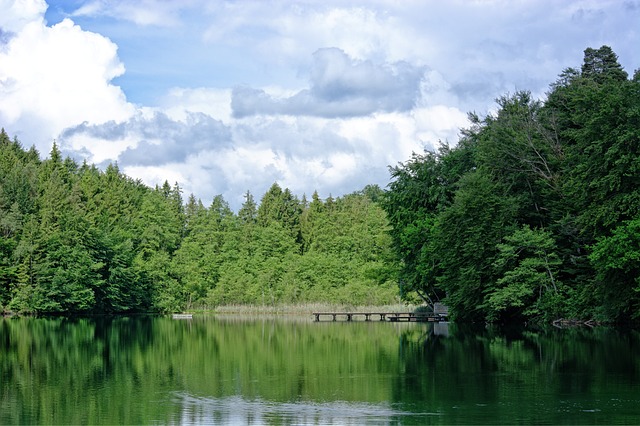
(515, 43)
(207, 157)
(231, 95)
(282, 31)
(179, 101)
(55, 77)
(340, 86)
(358, 114)
(15, 14)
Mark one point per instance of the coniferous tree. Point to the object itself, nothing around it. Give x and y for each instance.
(249, 210)
(602, 65)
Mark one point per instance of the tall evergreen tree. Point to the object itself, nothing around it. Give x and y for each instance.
(602, 65)
(248, 212)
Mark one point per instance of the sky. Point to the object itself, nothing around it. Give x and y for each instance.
(225, 97)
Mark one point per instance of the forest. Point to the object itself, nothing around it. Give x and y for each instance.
(76, 239)
(533, 215)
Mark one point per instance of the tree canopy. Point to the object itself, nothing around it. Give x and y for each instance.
(76, 239)
(534, 214)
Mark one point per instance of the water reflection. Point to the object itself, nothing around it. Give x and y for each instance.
(237, 410)
(142, 370)
(519, 376)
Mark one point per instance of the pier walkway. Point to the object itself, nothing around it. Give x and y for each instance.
(382, 316)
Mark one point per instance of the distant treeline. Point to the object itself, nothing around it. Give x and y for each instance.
(76, 239)
(535, 214)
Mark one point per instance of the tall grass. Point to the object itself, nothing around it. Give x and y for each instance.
(300, 309)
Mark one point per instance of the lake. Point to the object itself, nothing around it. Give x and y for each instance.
(231, 370)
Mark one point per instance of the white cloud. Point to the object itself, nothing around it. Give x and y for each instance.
(141, 12)
(207, 157)
(211, 101)
(360, 32)
(439, 122)
(339, 86)
(340, 167)
(15, 14)
(282, 32)
(55, 77)
(147, 139)
(387, 78)
(96, 149)
(153, 175)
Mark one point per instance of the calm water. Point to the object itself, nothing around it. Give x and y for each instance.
(212, 370)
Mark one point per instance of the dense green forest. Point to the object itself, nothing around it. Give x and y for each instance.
(535, 213)
(76, 239)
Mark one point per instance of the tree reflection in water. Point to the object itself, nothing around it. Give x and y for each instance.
(271, 370)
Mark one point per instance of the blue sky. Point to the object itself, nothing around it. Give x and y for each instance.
(229, 96)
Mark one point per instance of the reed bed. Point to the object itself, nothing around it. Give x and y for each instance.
(300, 309)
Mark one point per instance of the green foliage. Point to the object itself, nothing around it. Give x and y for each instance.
(528, 287)
(602, 65)
(467, 237)
(616, 259)
(533, 216)
(420, 189)
(76, 239)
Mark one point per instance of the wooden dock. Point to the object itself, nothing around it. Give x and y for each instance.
(382, 316)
